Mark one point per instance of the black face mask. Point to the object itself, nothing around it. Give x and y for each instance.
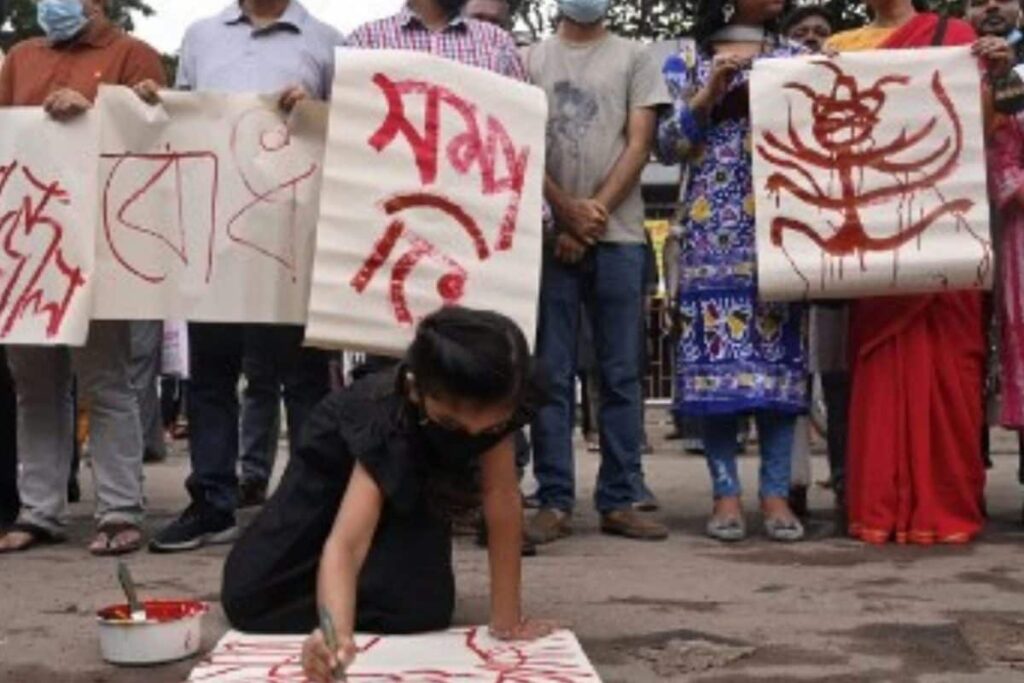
(456, 450)
(452, 7)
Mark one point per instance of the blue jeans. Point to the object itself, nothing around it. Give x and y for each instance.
(775, 432)
(217, 351)
(261, 418)
(608, 282)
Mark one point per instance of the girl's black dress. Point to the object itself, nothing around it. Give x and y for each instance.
(407, 584)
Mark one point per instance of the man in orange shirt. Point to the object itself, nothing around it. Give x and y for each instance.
(62, 73)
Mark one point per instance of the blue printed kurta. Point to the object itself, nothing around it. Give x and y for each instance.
(736, 354)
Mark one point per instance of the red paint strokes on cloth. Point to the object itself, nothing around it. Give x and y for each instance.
(845, 147)
(484, 146)
(261, 145)
(148, 171)
(451, 286)
(36, 277)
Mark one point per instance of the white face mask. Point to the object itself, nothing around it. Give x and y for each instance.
(584, 11)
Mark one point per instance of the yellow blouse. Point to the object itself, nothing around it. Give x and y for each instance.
(867, 38)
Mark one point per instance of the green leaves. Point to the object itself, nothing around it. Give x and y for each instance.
(657, 19)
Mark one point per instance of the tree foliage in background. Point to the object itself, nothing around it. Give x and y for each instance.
(659, 19)
(18, 17)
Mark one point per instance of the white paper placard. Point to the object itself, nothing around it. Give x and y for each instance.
(463, 655)
(209, 204)
(432, 195)
(870, 174)
(47, 227)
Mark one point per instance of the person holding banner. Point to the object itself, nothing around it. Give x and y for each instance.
(440, 28)
(1002, 18)
(915, 470)
(253, 46)
(361, 523)
(737, 355)
(62, 72)
(603, 93)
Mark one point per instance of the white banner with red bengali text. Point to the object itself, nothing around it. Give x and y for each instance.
(432, 195)
(208, 207)
(47, 227)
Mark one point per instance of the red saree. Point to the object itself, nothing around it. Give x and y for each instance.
(915, 471)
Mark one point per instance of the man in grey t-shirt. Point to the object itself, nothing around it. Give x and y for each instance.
(603, 93)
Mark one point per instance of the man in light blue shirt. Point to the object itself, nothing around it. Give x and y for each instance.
(244, 49)
(266, 47)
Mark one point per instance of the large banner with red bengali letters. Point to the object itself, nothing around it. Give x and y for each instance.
(432, 196)
(208, 207)
(870, 174)
(47, 221)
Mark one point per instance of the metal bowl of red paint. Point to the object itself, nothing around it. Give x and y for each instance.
(172, 631)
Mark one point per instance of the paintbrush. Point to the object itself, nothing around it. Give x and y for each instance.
(124, 576)
(331, 638)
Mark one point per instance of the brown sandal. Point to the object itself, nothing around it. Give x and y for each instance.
(116, 538)
(37, 535)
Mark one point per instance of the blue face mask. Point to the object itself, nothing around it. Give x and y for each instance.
(584, 11)
(61, 20)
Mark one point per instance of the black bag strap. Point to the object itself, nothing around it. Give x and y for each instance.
(939, 39)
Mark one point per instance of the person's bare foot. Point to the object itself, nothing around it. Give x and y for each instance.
(777, 508)
(727, 508)
(16, 542)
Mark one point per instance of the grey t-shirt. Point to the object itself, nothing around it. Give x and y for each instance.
(592, 88)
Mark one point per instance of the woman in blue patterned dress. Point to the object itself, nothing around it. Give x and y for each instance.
(737, 355)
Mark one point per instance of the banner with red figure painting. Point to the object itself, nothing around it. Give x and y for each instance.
(208, 205)
(47, 219)
(870, 174)
(432, 196)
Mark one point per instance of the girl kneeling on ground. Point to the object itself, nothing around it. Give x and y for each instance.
(360, 522)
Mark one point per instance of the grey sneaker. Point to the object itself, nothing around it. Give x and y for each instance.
(547, 526)
(727, 529)
(784, 530)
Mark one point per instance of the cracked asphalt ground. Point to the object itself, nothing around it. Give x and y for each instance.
(684, 610)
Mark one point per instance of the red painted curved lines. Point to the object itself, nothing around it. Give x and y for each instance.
(845, 123)
(36, 281)
(272, 144)
(163, 162)
(451, 286)
(484, 145)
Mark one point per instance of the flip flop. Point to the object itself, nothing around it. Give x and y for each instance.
(37, 536)
(107, 543)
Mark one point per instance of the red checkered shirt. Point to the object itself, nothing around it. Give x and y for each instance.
(463, 40)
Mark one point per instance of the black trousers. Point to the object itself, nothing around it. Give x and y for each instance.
(9, 502)
(407, 584)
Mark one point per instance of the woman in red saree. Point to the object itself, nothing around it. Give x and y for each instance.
(915, 470)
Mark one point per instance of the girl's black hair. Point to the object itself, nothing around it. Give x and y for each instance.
(711, 19)
(479, 356)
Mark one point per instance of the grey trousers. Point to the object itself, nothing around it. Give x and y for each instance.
(147, 345)
(46, 427)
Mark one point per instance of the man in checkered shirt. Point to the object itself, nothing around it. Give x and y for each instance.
(438, 27)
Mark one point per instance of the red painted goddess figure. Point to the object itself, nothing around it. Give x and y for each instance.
(845, 126)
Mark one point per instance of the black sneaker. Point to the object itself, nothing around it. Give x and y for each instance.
(252, 493)
(196, 527)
